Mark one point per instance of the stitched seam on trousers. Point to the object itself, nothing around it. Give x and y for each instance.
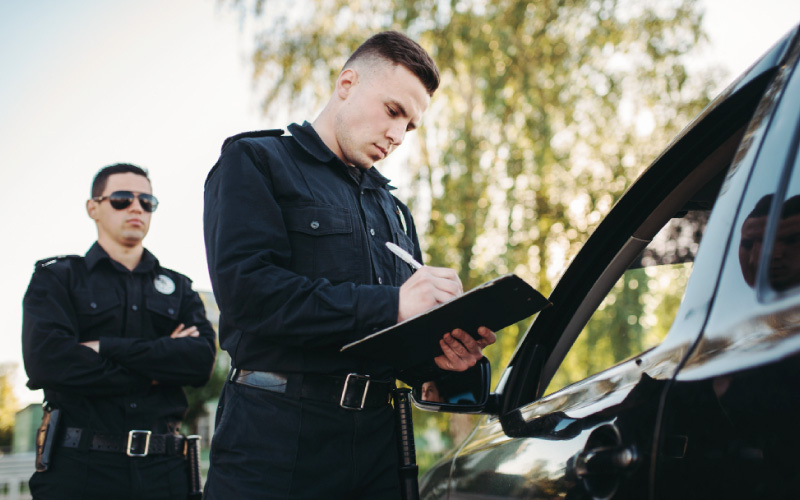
(296, 447)
(354, 452)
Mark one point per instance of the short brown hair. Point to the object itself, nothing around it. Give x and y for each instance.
(400, 49)
(101, 178)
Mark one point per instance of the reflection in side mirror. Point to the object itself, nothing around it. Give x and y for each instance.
(460, 392)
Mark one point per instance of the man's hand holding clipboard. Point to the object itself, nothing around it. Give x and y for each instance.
(437, 320)
(427, 288)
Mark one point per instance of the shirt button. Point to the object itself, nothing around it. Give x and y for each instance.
(314, 225)
(380, 280)
(93, 305)
(372, 232)
(135, 307)
(133, 405)
(171, 311)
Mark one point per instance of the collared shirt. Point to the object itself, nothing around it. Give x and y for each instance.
(135, 381)
(297, 256)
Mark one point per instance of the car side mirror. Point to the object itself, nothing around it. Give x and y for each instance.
(456, 392)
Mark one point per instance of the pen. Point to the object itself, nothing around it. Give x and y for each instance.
(403, 255)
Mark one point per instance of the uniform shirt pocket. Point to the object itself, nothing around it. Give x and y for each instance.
(98, 312)
(163, 312)
(322, 241)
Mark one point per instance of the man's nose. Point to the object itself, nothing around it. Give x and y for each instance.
(755, 253)
(136, 205)
(778, 249)
(396, 134)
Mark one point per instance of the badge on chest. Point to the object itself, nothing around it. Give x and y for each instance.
(164, 284)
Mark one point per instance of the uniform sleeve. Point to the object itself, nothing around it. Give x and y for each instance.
(249, 256)
(182, 361)
(53, 356)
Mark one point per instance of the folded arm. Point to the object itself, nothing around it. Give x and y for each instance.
(52, 353)
(184, 357)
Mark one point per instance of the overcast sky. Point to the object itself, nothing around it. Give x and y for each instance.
(160, 83)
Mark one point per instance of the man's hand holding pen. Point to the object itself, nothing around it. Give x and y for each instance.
(428, 287)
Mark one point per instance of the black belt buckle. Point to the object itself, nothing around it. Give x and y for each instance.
(133, 442)
(355, 379)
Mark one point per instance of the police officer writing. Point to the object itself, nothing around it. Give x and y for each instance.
(111, 337)
(295, 229)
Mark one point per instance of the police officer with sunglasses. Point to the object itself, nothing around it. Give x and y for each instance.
(112, 337)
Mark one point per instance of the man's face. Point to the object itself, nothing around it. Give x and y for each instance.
(750, 246)
(380, 104)
(784, 266)
(126, 227)
(430, 392)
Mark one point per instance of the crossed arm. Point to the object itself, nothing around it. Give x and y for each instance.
(54, 357)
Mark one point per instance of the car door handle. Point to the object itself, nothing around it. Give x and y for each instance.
(604, 460)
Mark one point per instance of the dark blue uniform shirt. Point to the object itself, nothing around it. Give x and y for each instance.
(296, 253)
(132, 313)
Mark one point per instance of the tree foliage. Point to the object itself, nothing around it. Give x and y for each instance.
(547, 111)
(8, 403)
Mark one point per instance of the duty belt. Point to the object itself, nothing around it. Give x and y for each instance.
(353, 392)
(136, 443)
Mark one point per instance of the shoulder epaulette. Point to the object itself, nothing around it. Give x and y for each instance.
(254, 134)
(52, 260)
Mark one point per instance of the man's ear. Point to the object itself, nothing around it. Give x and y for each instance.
(345, 83)
(91, 209)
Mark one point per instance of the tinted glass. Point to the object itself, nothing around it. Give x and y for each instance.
(638, 312)
(784, 263)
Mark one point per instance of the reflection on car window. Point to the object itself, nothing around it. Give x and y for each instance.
(752, 239)
(638, 312)
(784, 262)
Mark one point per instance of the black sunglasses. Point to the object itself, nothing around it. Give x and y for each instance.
(123, 199)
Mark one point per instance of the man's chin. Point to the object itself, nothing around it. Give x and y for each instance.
(132, 238)
(783, 278)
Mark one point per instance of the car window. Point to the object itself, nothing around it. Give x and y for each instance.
(638, 311)
(784, 263)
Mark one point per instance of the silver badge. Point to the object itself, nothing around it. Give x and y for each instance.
(164, 284)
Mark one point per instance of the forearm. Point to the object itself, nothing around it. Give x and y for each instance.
(52, 354)
(181, 361)
(62, 364)
(296, 311)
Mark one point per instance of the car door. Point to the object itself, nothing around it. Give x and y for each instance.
(563, 433)
(730, 417)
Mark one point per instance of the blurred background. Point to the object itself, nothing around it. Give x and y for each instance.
(547, 111)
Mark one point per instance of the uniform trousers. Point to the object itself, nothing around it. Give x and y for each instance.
(88, 475)
(269, 445)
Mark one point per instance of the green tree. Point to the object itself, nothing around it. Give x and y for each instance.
(197, 397)
(546, 112)
(8, 403)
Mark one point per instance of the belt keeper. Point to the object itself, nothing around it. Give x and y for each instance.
(171, 445)
(85, 439)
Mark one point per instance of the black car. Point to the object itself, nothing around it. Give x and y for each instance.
(703, 399)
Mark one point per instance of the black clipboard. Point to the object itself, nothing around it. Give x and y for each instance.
(495, 304)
